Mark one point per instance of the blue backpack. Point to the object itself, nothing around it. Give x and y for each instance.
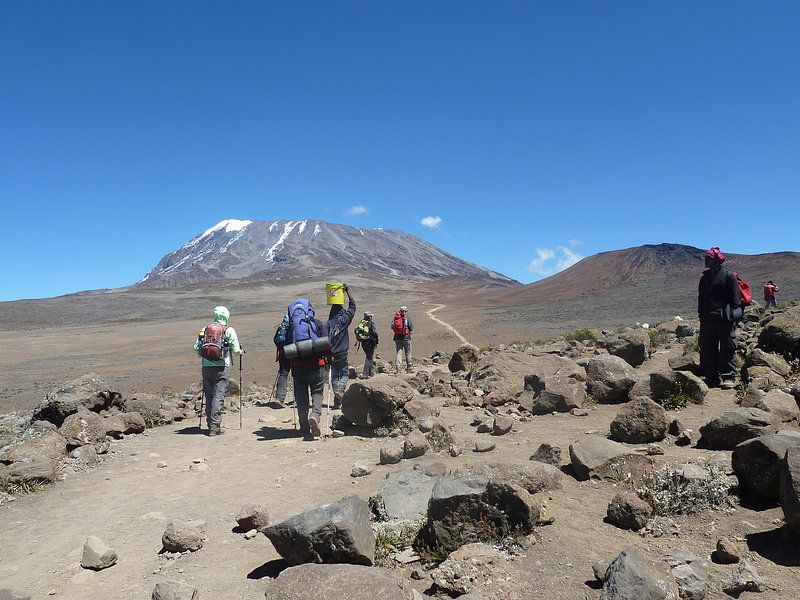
(281, 331)
(302, 325)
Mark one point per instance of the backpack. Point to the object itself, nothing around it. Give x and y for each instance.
(363, 331)
(744, 290)
(302, 325)
(398, 324)
(281, 332)
(213, 346)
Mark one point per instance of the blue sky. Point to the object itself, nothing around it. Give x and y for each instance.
(518, 135)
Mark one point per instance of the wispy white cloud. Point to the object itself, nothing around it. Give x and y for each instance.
(431, 222)
(357, 210)
(549, 261)
(573, 243)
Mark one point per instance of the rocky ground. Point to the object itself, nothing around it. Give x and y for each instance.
(598, 466)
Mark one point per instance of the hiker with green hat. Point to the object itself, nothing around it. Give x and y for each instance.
(215, 344)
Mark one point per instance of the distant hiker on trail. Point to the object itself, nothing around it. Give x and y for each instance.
(719, 306)
(284, 364)
(308, 348)
(367, 336)
(402, 328)
(215, 344)
(339, 320)
(770, 289)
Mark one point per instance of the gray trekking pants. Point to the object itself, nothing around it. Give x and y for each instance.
(402, 347)
(305, 379)
(215, 385)
(282, 383)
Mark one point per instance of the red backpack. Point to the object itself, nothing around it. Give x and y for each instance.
(744, 291)
(213, 346)
(398, 324)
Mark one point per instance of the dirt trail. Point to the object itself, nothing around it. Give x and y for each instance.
(443, 323)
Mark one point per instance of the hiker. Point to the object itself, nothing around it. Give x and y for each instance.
(367, 336)
(284, 364)
(770, 289)
(402, 328)
(719, 306)
(215, 344)
(339, 320)
(308, 368)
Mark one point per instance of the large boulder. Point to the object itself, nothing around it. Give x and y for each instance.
(779, 403)
(532, 476)
(735, 426)
(782, 334)
(44, 471)
(372, 402)
(472, 508)
(147, 405)
(775, 362)
(789, 488)
(334, 582)
(757, 462)
(635, 576)
(334, 532)
(609, 378)
(686, 362)
(640, 421)
(667, 384)
(90, 391)
(596, 457)
(559, 394)
(48, 446)
(500, 372)
(83, 428)
(549, 366)
(419, 409)
(632, 346)
(404, 495)
(464, 358)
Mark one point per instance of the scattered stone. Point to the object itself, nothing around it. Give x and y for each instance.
(727, 552)
(485, 425)
(174, 590)
(97, 555)
(684, 439)
(502, 425)
(640, 421)
(676, 427)
(415, 445)
(547, 454)
(162, 464)
(454, 450)
(252, 516)
(579, 412)
(371, 402)
(334, 532)
(83, 428)
(690, 573)
(334, 582)
(600, 569)
(391, 454)
(635, 576)
(655, 450)
(464, 358)
(467, 569)
(628, 511)
(249, 535)
(745, 579)
(404, 495)
(418, 409)
(757, 462)
(609, 378)
(733, 427)
(184, 536)
(600, 458)
(90, 392)
(360, 470)
(85, 454)
(484, 446)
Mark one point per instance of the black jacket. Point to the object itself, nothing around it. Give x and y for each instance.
(338, 322)
(717, 289)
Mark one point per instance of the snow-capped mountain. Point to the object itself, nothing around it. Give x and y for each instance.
(270, 250)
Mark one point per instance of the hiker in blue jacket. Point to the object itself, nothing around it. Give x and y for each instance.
(338, 323)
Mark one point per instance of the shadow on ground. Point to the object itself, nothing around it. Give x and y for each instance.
(778, 545)
(271, 569)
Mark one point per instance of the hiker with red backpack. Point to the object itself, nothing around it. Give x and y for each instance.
(339, 321)
(770, 289)
(215, 344)
(402, 328)
(719, 306)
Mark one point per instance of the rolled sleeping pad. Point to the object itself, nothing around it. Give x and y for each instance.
(307, 347)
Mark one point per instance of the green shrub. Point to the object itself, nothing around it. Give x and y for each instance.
(581, 335)
(690, 345)
(676, 400)
(389, 542)
(17, 487)
(658, 338)
(439, 441)
(670, 493)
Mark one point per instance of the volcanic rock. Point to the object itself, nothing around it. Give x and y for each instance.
(371, 403)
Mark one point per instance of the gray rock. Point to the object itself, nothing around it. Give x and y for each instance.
(600, 458)
(391, 454)
(735, 426)
(174, 590)
(665, 384)
(632, 346)
(502, 425)
(335, 532)
(560, 394)
(727, 552)
(640, 421)
(83, 428)
(775, 362)
(609, 378)
(415, 445)
(764, 378)
(757, 462)
(184, 536)
(635, 576)
(470, 508)
(464, 358)
(147, 406)
(744, 579)
(676, 427)
(252, 516)
(628, 511)
(97, 555)
(547, 454)
(777, 402)
(38, 470)
(690, 573)
(370, 403)
(686, 362)
(48, 446)
(466, 570)
(550, 365)
(85, 454)
(790, 488)
(90, 392)
(419, 409)
(484, 446)
(360, 469)
(600, 569)
(404, 495)
(691, 385)
(782, 333)
(534, 477)
(334, 582)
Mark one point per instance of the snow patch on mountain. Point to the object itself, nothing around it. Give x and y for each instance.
(269, 255)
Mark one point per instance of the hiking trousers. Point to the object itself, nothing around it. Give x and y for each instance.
(282, 385)
(215, 385)
(369, 363)
(717, 341)
(305, 380)
(402, 347)
(340, 373)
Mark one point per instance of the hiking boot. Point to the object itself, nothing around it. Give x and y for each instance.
(215, 431)
(313, 425)
(337, 400)
(409, 370)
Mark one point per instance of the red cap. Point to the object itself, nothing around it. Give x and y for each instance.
(716, 254)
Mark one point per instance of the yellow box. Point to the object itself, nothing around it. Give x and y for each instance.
(334, 293)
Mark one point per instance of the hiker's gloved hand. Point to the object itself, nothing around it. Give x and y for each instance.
(346, 289)
(241, 350)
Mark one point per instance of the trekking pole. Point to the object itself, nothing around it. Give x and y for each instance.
(240, 388)
(330, 396)
(202, 407)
